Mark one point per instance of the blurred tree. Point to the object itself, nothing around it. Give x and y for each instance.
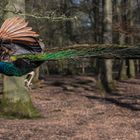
(132, 71)
(121, 19)
(106, 78)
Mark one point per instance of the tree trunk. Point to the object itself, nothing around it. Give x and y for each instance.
(106, 65)
(44, 70)
(123, 71)
(132, 71)
(36, 82)
(16, 100)
(121, 19)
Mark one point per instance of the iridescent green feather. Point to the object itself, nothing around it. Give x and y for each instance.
(98, 51)
(25, 63)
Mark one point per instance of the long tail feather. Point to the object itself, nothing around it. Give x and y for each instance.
(98, 51)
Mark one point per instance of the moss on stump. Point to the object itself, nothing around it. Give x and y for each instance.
(16, 100)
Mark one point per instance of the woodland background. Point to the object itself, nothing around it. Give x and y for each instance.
(79, 99)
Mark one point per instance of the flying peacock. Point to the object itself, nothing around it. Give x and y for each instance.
(21, 51)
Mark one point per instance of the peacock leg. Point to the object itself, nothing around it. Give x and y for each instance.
(28, 80)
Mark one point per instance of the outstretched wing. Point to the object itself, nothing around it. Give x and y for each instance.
(98, 51)
(15, 29)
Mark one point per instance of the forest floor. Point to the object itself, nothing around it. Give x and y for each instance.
(74, 109)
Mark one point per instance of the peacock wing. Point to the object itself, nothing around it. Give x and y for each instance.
(15, 29)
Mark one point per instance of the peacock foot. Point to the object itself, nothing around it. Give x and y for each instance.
(28, 80)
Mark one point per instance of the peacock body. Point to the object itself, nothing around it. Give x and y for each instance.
(16, 39)
(21, 51)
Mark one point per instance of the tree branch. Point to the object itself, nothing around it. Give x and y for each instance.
(52, 18)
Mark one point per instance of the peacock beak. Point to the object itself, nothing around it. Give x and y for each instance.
(12, 58)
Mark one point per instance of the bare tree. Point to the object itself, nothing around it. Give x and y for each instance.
(132, 72)
(121, 19)
(106, 79)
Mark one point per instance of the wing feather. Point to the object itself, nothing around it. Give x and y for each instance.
(8, 24)
(15, 29)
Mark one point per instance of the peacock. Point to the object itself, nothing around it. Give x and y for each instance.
(21, 51)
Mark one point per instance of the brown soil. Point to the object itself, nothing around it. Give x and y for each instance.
(73, 109)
